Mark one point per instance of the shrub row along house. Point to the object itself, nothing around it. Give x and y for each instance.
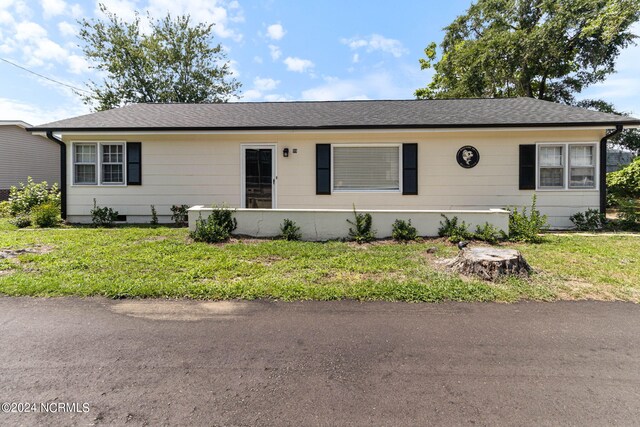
(403, 155)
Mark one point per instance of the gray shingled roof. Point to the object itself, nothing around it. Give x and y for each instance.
(445, 113)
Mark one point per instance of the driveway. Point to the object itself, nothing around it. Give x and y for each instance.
(319, 363)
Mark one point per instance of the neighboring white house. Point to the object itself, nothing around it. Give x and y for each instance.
(23, 154)
(457, 154)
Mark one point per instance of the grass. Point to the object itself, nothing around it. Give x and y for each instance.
(127, 262)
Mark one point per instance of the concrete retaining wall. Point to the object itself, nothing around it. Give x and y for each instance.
(328, 224)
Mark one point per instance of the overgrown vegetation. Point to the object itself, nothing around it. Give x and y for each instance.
(361, 232)
(289, 230)
(138, 262)
(455, 232)
(154, 215)
(625, 183)
(5, 209)
(179, 215)
(23, 198)
(21, 221)
(628, 215)
(46, 215)
(589, 220)
(217, 227)
(403, 231)
(103, 217)
(489, 233)
(526, 227)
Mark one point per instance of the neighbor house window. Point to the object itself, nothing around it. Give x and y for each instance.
(96, 163)
(582, 169)
(551, 164)
(567, 166)
(112, 163)
(366, 168)
(85, 164)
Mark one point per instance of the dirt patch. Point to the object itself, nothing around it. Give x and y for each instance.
(268, 260)
(13, 253)
(6, 272)
(180, 310)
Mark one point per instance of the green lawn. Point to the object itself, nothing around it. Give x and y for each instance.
(163, 262)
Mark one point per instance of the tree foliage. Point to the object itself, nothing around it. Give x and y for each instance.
(545, 49)
(628, 138)
(171, 60)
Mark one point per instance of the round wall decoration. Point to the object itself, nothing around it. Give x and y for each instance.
(468, 156)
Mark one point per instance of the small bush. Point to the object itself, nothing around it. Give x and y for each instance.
(589, 220)
(403, 231)
(103, 217)
(179, 215)
(453, 231)
(625, 183)
(216, 228)
(25, 197)
(489, 233)
(628, 216)
(525, 227)
(154, 215)
(362, 233)
(5, 209)
(289, 230)
(46, 215)
(21, 221)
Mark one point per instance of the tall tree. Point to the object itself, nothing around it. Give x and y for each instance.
(173, 61)
(546, 49)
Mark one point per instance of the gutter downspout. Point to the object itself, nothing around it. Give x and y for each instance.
(63, 173)
(603, 168)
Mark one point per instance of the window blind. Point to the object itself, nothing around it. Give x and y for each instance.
(366, 168)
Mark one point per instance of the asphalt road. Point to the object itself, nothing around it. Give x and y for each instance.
(318, 363)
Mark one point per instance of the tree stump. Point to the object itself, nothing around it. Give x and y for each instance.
(489, 263)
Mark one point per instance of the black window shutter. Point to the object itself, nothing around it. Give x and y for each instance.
(323, 168)
(528, 167)
(410, 169)
(134, 163)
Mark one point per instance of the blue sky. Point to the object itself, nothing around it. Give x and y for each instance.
(279, 50)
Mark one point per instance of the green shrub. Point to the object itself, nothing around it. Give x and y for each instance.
(5, 209)
(179, 215)
(154, 215)
(589, 220)
(489, 233)
(24, 197)
(216, 228)
(628, 216)
(625, 183)
(289, 230)
(21, 221)
(362, 233)
(103, 217)
(46, 215)
(525, 227)
(453, 231)
(403, 231)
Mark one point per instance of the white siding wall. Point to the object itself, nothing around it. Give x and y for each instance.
(23, 154)
(205, 169)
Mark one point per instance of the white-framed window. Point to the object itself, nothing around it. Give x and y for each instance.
(551, 165)
(85, 163)
(582, 166)
(112, 163)
(361, 168)
(97, 163)
(567, 166)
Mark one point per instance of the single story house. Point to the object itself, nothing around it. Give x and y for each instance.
(24, 155)
(392, 155)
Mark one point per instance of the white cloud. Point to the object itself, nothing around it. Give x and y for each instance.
(77, 64)
(51, 8)
(275, 52)
(276, 98)
(251, 95)
(257, 59)
(67, 29)
(379, 85)
(265, 84)
(376, 42)
(356, 58)
(29, 31)
(13, 109)
(275, 31)
(210, 11)
(298, 65)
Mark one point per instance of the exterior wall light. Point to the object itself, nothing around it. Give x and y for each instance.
(285, 152)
